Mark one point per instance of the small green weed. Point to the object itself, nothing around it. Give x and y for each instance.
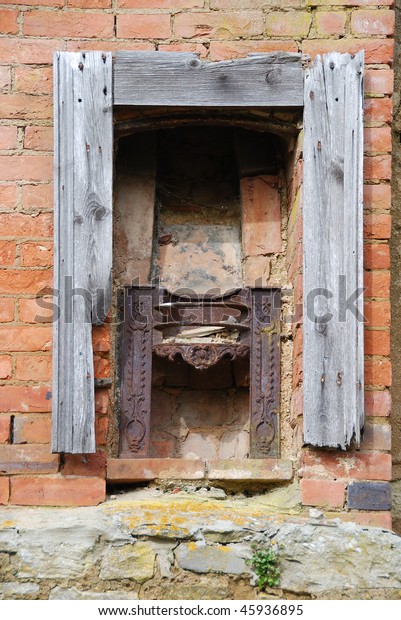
(266, 564)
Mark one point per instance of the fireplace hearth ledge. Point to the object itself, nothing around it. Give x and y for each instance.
(257, 470)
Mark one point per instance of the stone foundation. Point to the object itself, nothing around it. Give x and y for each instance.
(150, 544)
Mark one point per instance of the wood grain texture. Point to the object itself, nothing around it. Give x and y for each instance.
(83, 237)
(333, 244)
(181, 79)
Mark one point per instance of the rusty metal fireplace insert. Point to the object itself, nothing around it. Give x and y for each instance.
(242, 326)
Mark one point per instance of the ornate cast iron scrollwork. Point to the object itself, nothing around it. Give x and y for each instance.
(265, 373)
(201, 356)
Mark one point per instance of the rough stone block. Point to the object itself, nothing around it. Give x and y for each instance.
(73, 594)
(17, 591)
(134, 561)
(201, 558)
(369, 496)
(234, 445)
(199, 446)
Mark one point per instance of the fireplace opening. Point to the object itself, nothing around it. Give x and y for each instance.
(199, 265)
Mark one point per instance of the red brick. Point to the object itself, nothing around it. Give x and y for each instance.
(377, 284)
(36, 310)
(196, 48)
(378, 403)
(68, 24)
(101, 400)
(34, 368)
(249, 469)
(32, 429)
(26, 167)
(261, 215)
(377, 139)
(376, 437)
(143, 26)
(161, 4)
(377, 342)
(110, 46)
(28, 51)
(5, 367)
(101, 339)
(239, 49)
(217, 25)
(5, 78)
(38, 80)
(377, 313)
(25, 281)
(373, 519)
(7, 252)
(354, 465)
(4, 490)
(378, 372)
(379, 109)
(28, 458)
(377, 51)
(376, 256)
(89, 4)
(8, 137)
(8, 196)
(26, 107)
(101, 367)
(377, 167)
(372, 22)
(101, 425)
(125, 470)
(323, 493)
(5, 428)
(8, 21)
(25, 398)
(37, 254)
(330, 23)
(52, 3)
(377, 196)
(85, 465)
(253, 4)
(379, 81)
(57, 491)
(21, 225)
(376, 226)
(280, 24)
(25, 338)
(7, 310)
(37, 196)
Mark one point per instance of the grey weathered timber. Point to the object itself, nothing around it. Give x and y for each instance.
(182, 79)
(333, 244)
(83, 237)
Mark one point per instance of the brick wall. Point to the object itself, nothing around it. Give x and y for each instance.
(30, 30)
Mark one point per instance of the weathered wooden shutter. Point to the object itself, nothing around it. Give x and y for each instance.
(83, 237)
(333, 250)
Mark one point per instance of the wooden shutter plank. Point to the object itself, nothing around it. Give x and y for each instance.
(83, 237)
(333, 248)
(181, 79)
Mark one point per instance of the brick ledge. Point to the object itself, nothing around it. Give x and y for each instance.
(258, 470)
